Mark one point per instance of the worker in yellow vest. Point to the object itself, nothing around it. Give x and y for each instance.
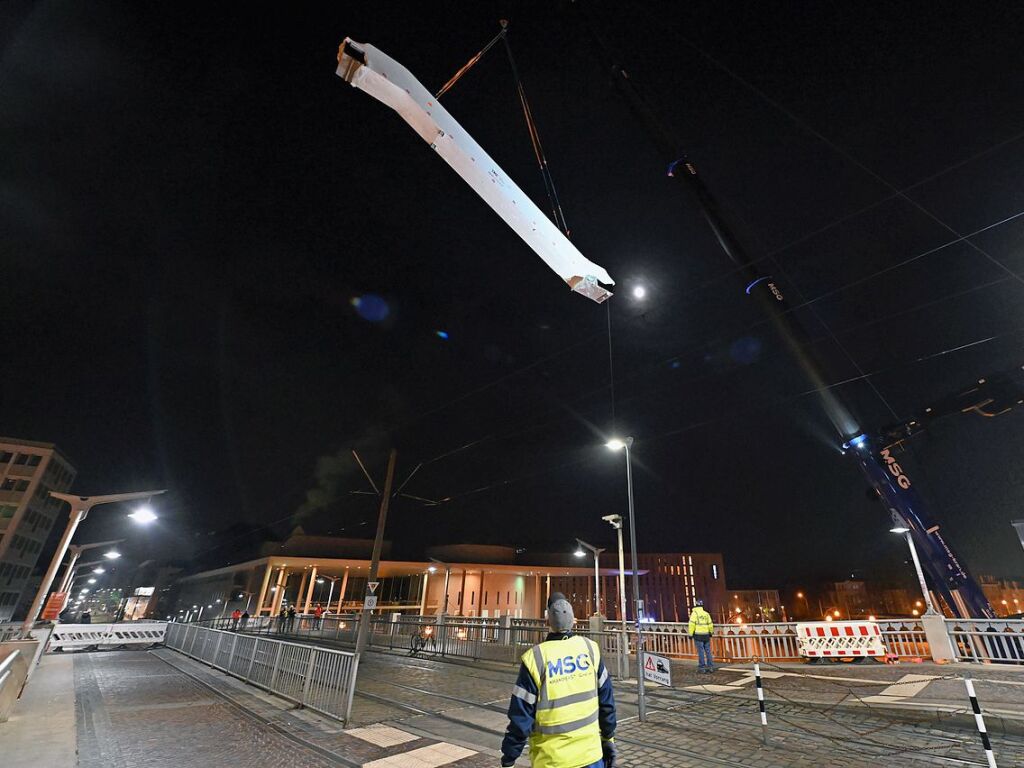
(701, 630)
(562, 702)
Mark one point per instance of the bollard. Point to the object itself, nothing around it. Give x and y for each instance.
(760, 703)
(980, 721)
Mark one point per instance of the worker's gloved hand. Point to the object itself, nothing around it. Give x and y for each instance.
(609, 753)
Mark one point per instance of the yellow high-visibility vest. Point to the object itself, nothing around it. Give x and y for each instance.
(566, 732)
(700, 622)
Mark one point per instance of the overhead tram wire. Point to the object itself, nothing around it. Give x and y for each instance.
(849, 156)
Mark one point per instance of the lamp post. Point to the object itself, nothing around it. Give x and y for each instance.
(917, 564)
(615, 444)
(76, 551)
(615, 521)
(597, 570)
(80, 506)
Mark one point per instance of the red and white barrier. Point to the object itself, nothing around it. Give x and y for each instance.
(840, 639)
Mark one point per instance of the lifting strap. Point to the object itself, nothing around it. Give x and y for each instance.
(557, 214)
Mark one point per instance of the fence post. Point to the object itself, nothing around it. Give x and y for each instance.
(309, 676)
(939, 641)
(760, 703)
(354, 669)
(216, 649)
(506, 630)
(252, 659)
(231, 654)
(277, 664)
(979, 721)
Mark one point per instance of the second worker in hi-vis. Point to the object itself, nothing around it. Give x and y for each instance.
(562, 702)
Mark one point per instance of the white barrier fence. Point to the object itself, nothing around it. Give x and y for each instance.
(124, 635)
(322, 679)
(840, 640)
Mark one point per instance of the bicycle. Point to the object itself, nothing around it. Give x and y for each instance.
(421, 640)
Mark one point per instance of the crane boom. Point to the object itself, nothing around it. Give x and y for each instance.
(875, 455)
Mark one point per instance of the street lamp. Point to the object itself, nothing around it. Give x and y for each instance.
(615, 521)
(143, 515)
(80, 506)
(73, 565)
(597, 570)
(112, 554)
(617, 444)
(902, 529)
(447, 579)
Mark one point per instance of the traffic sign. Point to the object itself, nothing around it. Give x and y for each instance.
(369, 602)
(657, 669)
(372, 586)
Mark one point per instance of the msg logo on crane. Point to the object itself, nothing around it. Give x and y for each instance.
(897, 471)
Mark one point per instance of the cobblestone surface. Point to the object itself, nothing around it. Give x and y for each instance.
(136, 709)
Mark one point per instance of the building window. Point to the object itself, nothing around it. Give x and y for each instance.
(5, 457)
(22, 458)
(21, 485)
(7, 511)
(8, 484)
(34, 459)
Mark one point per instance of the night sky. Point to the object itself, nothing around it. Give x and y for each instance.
(191, 200)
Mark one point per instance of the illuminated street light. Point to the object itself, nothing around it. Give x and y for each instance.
(899, 528)
(143, 515)
(80, 507)
(639, 292)
(580, 546)
(112, 554)
(618, 444)
(431, 569)
(836, 614)
(91, 581)
(99, 569)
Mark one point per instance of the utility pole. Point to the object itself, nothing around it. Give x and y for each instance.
(378, 544)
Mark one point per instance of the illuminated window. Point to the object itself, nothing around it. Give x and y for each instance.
(714, 572)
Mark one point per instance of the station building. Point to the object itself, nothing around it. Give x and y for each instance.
(459, 580)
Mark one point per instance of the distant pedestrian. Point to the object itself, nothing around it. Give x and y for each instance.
(318, 614)
(562, 702)
(282, 620)
(702, 628)
(291, 619)
(245, 620)
(236, 615)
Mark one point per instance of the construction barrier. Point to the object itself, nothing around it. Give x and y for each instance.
(129, 634)
(840, 639)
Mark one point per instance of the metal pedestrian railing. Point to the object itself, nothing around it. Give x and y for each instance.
(505, 639)
(322, 679)
(986, 640)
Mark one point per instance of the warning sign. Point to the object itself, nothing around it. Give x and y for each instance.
(369, 602)
(372, 586)
(657, 669)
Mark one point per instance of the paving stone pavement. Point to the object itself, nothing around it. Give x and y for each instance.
(135, 708)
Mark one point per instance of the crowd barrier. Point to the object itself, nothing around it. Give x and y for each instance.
(322, 679)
